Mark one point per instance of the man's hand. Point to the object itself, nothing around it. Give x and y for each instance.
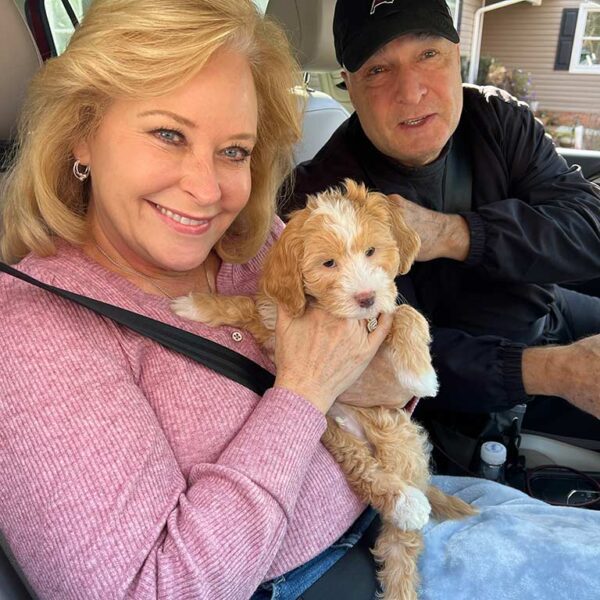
(571, 372)
(442, 236)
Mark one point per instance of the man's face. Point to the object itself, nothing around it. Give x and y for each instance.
(408, 97)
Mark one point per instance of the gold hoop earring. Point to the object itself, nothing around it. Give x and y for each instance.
(83, 174)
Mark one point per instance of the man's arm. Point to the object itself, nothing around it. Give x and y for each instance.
(566, 372)
(548, 229)
(442, 236)
(488, 367)
(499, 373)
(549, 232)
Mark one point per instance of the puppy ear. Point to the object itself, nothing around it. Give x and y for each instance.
(282, 273)
(408, 240)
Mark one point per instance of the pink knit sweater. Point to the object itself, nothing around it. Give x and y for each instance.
(127, 470)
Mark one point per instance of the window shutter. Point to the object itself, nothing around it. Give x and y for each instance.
(565, 39)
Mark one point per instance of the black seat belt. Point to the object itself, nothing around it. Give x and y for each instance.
(227, 362)
(458, 175)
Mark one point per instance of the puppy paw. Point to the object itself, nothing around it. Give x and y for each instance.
(412, 510)
(423, 385)
(427, 384)
(186, 307)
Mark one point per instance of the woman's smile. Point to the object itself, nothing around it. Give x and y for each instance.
(180, 222)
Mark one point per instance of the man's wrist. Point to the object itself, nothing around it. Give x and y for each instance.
(456, 237)
(541, 371)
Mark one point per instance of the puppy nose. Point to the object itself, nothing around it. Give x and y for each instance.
(365, 299)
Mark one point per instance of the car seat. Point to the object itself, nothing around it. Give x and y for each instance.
(19, 60)
(308, 25)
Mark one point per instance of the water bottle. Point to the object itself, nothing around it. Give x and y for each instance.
(493, 457)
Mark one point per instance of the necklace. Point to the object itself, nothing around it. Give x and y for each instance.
(150, 280)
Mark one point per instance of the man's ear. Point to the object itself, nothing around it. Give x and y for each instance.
(282, 273)
(347, 86)
(458, 60)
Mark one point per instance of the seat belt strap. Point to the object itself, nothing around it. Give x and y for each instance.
(458, 176)
(227, 362)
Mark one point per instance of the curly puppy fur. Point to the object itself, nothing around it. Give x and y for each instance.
(342, 253)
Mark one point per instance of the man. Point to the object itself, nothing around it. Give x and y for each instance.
(496, 241)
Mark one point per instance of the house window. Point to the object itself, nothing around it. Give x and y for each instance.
(585, 57)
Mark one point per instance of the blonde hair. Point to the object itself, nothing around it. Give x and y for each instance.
(139, 49)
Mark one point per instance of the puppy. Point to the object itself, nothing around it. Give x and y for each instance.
(342, 253)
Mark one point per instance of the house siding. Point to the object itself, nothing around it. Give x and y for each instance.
(532, 46)
(466, 24)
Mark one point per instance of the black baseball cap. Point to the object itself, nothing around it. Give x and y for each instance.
(361, 27)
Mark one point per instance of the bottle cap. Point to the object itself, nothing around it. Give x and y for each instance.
(493, 453)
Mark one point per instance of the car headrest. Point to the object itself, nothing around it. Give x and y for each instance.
(309, 25)
(19, 60)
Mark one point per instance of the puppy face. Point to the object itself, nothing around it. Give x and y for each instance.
(350, 255)
(344, 250)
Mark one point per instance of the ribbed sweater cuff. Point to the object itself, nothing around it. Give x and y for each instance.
(512, 356)
(277, 444)
(477, 241)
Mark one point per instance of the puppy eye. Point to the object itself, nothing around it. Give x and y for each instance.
(329, 263)
(370, 252)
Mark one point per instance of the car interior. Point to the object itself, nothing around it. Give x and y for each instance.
(308, 24)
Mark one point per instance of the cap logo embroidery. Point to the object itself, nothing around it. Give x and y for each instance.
(377, 3)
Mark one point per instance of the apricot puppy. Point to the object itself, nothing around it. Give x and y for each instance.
(342, 252)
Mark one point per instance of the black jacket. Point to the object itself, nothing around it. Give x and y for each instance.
(534, 222)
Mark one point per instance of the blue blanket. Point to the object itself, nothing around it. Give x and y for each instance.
(517, 548)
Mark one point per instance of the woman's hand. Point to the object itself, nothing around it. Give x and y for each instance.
(319, 356)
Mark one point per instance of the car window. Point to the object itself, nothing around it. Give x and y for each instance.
(63, 15)
(262, 4)
(60, 19)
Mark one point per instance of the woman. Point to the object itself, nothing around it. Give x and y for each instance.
(149, 157)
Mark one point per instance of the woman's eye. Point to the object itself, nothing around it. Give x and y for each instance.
(237, 153)
(329, 263)
(370, 251)
(170, 136)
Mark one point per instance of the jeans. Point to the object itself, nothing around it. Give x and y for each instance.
(292, 584)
